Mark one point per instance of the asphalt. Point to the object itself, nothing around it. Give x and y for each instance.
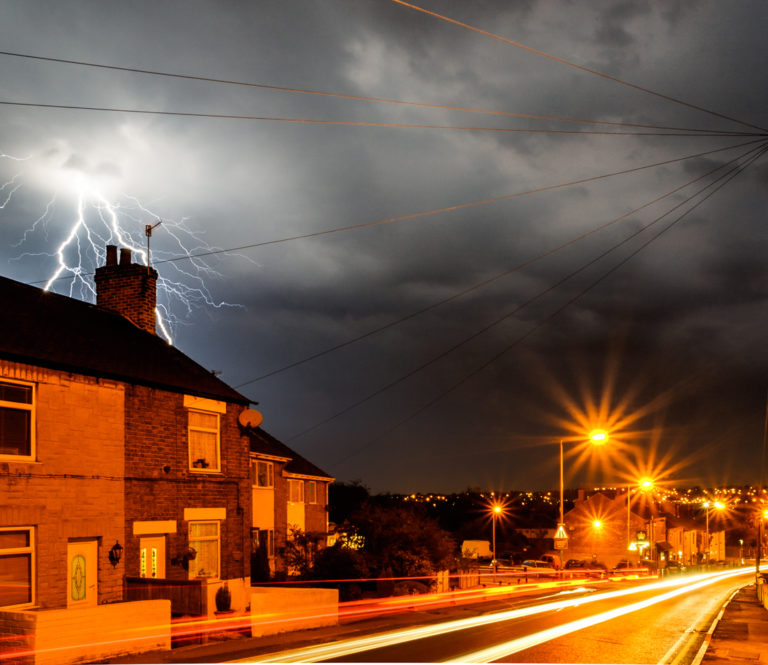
(739, 635)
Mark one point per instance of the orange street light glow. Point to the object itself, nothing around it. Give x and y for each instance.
(597, 524)
(598, 436)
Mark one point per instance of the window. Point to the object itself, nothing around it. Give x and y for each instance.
(263, 538)
(203, 441)
(204, 539)
(262, 474)
(16, 566)
(311, 492)
(296, 491)
(17, 415)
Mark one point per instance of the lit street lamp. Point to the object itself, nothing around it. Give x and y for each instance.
(717, 505)
(597, 437)
(496, 510)
(645, 484)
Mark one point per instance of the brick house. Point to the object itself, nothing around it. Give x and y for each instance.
(120, 457)
(290, 494)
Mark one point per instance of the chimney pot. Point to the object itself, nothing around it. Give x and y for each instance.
(125, 256)
(111, 255)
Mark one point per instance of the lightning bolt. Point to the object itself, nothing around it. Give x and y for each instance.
(92, 219)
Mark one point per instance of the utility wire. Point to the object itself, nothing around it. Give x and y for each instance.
(732, 174)
(350, 123)
(575, 65)
(474, 287)
(434, 211)
(758, 150)
(381, 100)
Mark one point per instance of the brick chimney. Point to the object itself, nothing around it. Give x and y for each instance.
(127, 288)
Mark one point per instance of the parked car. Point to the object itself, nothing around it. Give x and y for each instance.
(575, 563)
(539, 568)
(674, 567)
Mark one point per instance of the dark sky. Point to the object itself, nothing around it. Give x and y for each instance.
(657, 335)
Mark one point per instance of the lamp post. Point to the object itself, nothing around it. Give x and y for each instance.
(597, 437)
(645, 484)
(717, 505)
(496, 511)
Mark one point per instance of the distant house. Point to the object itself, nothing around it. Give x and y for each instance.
(120, 457)
(290, 495)
(599, 528)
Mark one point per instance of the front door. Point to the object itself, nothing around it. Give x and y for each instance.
(83, 573)
(152, 556)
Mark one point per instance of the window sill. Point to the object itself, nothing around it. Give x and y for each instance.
(208, 472)
(18, 459)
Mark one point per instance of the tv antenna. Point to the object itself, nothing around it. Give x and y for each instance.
(148, 232)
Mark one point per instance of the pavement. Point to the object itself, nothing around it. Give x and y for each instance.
(738, 636)
(741, 634)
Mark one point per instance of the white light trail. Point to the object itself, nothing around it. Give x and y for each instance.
(86, 215)
(528, 641)
(357, 645)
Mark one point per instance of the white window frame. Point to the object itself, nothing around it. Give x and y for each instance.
(30, 550)
(21, 406)
(295, 482)
(255, 473)
(207, 430)
(311, 492)
(217, 538)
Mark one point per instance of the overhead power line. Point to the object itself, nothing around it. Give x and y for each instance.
(757, 152)
(576, 65)
(479, 285)
(338, 95)
(386, 432)
(435, 211)
(353, 123)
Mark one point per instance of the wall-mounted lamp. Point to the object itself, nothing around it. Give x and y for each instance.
(115, 553)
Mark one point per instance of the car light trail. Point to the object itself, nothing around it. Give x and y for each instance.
(523, 643)
(392, 638)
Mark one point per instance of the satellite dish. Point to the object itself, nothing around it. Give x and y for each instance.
(250, 418)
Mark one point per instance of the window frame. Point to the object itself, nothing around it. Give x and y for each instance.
(28, 550)
(217, 431)
(256, 535)
(255, 474)
(311, 492)
(295, 482)
(22, 406)
(217, 538)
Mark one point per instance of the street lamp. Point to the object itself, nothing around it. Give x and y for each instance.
(597, 437)
(717, 505)
(496, 510)
(645, 484)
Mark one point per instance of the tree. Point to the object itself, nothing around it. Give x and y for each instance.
(401, 541)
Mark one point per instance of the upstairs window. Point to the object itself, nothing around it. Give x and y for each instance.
(262, 474)
(17, 410)
(296, 491)
(203, 441)
(311, 492)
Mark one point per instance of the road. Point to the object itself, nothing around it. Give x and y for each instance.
(658, 622)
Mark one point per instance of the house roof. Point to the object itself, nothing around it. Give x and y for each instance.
(264, 443)
(49, 330)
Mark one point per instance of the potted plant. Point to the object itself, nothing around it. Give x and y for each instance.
(223, 599)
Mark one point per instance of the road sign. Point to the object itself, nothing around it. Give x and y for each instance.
(561, 543)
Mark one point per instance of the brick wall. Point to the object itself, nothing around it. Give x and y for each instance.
(87, 635)
(160, 485)
(74, 488)
(130, 290)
